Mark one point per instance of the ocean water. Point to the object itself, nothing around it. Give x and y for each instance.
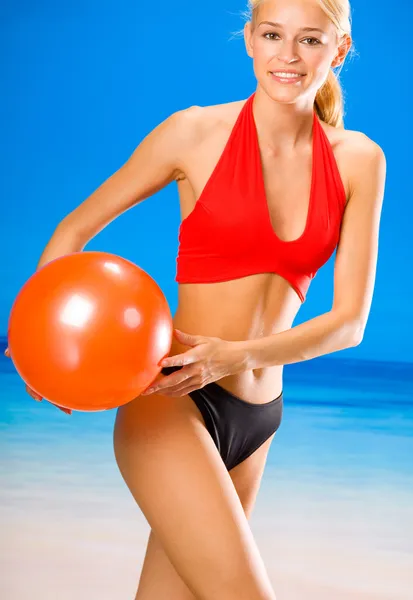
(333, 519)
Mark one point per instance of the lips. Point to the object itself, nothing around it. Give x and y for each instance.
(288, 73)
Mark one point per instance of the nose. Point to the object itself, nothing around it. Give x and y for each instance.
(287, 52)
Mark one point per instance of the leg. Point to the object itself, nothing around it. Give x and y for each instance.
(178, 479)
(159, 579)
(247, 476)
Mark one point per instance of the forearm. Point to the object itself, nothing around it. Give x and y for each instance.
(63, 241)
(322, 335)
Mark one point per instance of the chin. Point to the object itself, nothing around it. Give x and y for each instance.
(285, 93)
(283, 96)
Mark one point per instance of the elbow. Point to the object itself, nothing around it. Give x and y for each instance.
(357, 337)
(353, 328)
(67, 230)
(356, 331)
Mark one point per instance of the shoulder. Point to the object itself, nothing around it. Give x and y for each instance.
(197, 122)
(355, 145)
(362, 147)
(196, 126)
(357, 154)
(366, 159)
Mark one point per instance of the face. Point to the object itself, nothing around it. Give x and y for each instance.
(302, 40)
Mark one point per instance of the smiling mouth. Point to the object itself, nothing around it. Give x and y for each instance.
(287, 74)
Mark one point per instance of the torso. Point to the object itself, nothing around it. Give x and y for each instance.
(262, 304)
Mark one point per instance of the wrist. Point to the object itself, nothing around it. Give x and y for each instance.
(257, 354)
(250, 357)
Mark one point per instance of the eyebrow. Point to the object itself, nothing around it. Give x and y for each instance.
(302, 28)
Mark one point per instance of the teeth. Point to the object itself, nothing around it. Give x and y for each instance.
(287, 75)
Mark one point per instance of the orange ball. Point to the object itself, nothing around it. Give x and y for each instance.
(87, 331)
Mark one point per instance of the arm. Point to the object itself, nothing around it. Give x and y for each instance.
(354, 275)
(153, 165)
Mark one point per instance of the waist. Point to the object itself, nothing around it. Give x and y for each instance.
(237, 310)
(248, 395)
(255, 386)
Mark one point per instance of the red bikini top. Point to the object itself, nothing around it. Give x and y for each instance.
(229, 232)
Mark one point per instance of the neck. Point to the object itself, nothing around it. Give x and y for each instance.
(286, 127)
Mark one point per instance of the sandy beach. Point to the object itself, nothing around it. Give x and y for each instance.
(83, 548)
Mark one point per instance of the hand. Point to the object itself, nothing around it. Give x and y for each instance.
(35, 395)
(209, 359)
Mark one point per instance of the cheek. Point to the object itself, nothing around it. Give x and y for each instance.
(262, 61)
(318, 62)
(263, 51)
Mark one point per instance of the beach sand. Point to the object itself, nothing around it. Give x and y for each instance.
(91, 547)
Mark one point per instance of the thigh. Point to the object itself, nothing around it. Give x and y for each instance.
(247, 476)
(178, 479)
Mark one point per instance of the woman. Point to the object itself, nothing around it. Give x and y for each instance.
(269, 187)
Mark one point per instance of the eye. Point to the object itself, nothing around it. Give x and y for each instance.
(310, 41)
(315, 40)
(269, 33)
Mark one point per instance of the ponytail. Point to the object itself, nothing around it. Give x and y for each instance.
(329, 103)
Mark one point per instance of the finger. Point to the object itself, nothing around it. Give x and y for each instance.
(34, 394)
(68, 411)
(185, 391)
(187, 339)
(7, 353)
(167, 382)
(188, 381)
(188, 386)
(180, 360)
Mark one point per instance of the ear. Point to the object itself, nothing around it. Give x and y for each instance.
(248, 39)
(342, 50)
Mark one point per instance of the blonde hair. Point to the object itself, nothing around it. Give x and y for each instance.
(329, 101)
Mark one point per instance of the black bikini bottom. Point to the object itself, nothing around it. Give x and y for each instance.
(237, 427)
